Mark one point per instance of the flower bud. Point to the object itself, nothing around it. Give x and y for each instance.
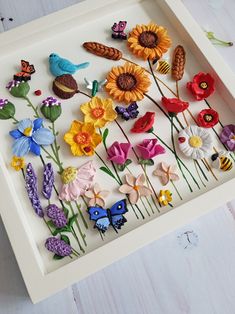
(51, 109)
(18, 89)
(7, 109)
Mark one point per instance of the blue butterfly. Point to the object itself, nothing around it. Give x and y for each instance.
(129, 112)
(109, 217)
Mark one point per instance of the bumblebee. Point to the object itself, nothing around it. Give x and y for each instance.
(163, 67)
(221, 161)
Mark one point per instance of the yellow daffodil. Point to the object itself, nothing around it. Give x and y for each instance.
(165, 197)
(17, 163)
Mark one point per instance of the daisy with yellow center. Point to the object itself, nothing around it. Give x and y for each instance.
(165, 197)
(82, 138)
(149, 41)
(127, 83)
(17, 163)
(99, 111)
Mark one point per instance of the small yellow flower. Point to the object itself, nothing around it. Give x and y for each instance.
(17, 163)
(82, 138)
(165, 197)
(99, 111)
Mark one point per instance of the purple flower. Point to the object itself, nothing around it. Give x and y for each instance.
(118, 152)
(129, 112)
(3, 102)
(50, 102)
(31, 187)
(149, 149)
(57, 215)
(48, 180)
(58, 246)
(227, 136)
(13, 83)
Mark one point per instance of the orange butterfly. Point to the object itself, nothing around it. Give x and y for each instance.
(26, 71)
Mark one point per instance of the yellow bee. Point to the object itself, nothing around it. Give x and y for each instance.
(221, 161)
(163, 67)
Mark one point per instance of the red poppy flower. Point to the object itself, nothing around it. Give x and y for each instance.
(202, 86)
(208, 118)
(144, 124)
(174, 105)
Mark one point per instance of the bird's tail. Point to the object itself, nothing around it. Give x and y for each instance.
(82, 65)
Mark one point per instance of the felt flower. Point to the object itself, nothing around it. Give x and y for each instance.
(99, 111)
(17, 163)
(207, 118)
(144, 123)
(127, 83)
(202, 86)
(7, 109)
(195, 142)
(118, 152)
(166, 173)
(29, 136)
(149, 148)
(135, 187)
(51, 108)
(58, 246)
(149, 41)
(82, 138)
(165, 197)
(174, 105)
(76, 181)
(227, 136)
(96, 196)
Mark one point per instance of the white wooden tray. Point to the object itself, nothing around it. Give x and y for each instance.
(64, 32)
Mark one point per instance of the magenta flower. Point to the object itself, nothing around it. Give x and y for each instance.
(227, 136)
(118, 152)
(149, 149)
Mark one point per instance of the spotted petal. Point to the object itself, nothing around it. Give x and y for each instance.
(43, 136)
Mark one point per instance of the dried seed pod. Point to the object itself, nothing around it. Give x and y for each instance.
(178, 63)
(103, 51)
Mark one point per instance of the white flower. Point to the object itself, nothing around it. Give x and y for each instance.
(195, 142)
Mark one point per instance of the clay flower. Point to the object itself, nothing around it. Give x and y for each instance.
(58, 246)
(51, 108)
(57, 215)
(7, 109)
(165, 197)
(129, 112)
(208, 118)
(135, 187)
(29, 136)
(227, 136)
(82, 138)
(149, 149)
(118, 152)
(195, 142)
(149, 41)
(17, 163)
(96, 196)
(144, 124)
(48, 180)
(202, 86)
(76, 181)
(174, 105)
(166, 173)
(99, 111)
(127, 83)
(18, 89)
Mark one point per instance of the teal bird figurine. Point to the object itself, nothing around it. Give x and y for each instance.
(60, 66)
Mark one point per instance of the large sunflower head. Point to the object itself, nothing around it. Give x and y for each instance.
(149, 41)
(127, 83)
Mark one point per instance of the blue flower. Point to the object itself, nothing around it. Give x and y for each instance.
(29, 136)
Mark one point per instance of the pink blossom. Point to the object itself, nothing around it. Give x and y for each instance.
(149, 149)
(118, 152)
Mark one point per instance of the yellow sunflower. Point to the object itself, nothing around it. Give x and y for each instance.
(127, 83)
(82, 138)
(149, 41)
(99, 111)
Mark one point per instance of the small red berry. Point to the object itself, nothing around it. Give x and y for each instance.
(182, 139)
(38, 92)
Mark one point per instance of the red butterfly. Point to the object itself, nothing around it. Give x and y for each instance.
(26, 71)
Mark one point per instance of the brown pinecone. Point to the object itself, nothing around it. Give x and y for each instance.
(178, 63)
(103, 51)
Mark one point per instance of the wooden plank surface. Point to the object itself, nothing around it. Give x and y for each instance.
(191, 270)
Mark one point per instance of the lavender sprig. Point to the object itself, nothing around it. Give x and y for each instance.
(57, 246)
(31, 187)
(57, 216)
(48, 180)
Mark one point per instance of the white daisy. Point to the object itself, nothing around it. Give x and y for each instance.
(195, 142)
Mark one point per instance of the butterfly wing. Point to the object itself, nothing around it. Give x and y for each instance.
(27, 68)
(116, 212)
(100, 216)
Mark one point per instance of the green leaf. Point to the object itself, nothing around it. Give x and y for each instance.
(66, 211)
(59, 230)
(72, 220)
(105, 134)
(51, 113)
(65, 238)
(7, 111)
(51, 224)
(57, 257)
(148, 162)
(121, 167)
(108, 171)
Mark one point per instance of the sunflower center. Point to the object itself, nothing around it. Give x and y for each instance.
(203, 85)
(82, 138)
(195, 141)
(97, 112)
(148, 39)
(68, 175)
(126, 81)
(28, 131)
(208, 117)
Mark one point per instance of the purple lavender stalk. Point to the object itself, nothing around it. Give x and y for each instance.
(48, 180)
(58, 246)
(31, 187)
(57, 215)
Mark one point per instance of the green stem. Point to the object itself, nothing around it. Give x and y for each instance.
(104, 163)
(145, 172)
(14, 119)
(78, 226)
(177, 191)
(81, 214)
(146, 209)
(195, 164)
(32, 106)
(76, 238)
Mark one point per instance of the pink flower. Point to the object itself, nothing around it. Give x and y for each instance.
(166, 173)
(149, 149)
(76, 181)
(118, 152)
(135, 187)
(96, 196)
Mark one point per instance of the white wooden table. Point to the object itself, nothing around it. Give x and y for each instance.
(191, 270)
